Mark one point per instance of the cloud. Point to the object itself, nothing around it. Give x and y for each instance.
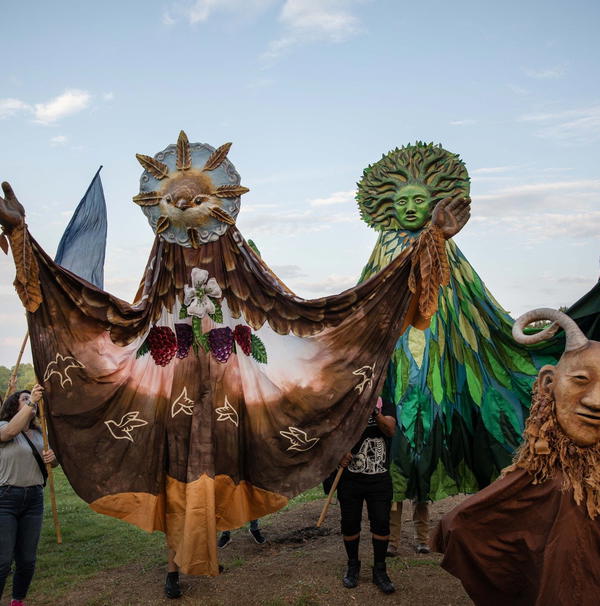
(576, 125)
(167, 19)
(492, 170)
(288, 272)
(69, 102)
(542, 210)
(293, 222)
(551, 73)
(306, 21)
(541, 193)
(108, 96)
(59, 140)
(466, 122)
(199, 11)
(339, 197)
(332, 284)
(9, 107)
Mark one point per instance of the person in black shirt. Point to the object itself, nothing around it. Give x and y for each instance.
(366, 478)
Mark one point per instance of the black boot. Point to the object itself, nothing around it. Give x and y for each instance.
(381, 579)
(351, 577)
(172, 589)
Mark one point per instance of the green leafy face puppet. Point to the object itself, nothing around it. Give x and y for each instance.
(413, 206)
(400, 191)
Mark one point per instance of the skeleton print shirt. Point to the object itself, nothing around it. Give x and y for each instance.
(371, 453)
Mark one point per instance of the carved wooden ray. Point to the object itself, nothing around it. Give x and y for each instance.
(184, 155)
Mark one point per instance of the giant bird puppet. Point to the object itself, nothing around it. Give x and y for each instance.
(217, 394)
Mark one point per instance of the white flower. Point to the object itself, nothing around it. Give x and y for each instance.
(201, 307)
(198, 297)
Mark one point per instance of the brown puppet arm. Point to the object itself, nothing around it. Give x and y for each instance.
(12, 219)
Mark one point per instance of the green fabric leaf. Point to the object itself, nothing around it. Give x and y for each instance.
(416, 345)
(399, 483)
(441, 485)
(143, 349)
(218, 315)
(467, 332)
(183, 312)
(259, 353)
(494, 407)
(474, 377)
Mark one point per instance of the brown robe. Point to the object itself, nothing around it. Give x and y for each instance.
(516, 543)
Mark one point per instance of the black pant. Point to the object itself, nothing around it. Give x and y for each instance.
(376, 490)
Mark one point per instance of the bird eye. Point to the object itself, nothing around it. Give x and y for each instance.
(198, 199)
(168, 199)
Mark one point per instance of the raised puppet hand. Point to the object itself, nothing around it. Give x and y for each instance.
(451, 215)
(12, 212)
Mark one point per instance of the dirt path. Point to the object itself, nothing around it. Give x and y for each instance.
(297, 566)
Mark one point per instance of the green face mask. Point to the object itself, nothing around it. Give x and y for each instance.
(412, 204)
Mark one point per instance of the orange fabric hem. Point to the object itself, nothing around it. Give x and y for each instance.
(191, 514)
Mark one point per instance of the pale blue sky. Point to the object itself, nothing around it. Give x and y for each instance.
(310, 92)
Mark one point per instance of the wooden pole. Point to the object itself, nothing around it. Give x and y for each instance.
(12, 382)
(50, 475)
(336, 481)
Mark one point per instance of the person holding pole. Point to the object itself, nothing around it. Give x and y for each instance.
(22, 478)
(366, 477)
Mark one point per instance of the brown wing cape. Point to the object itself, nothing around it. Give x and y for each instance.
(522, 544)
(197, 445)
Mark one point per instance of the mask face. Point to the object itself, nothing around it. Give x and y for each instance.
(413, 206)
(576, 388)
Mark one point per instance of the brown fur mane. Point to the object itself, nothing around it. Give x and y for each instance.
(547, 450)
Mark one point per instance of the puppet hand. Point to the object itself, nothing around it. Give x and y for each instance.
(12, 212)
(451, 215)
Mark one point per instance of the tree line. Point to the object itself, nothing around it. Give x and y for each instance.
(25, 378)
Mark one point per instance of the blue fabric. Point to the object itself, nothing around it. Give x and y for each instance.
(83, 245)
(21, 513)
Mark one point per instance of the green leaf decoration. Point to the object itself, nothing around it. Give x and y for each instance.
(467, 332)
(200, 338)
(203, 342)
(416, 345)
(497, 370)
(441, 338)
(518, 360)
(253, 246)
(479, 323)
(259, 353)
(441, 484)
(183, 312)
(218, 315)
(143, 350)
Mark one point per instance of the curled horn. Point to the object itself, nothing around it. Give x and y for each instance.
(575, 338)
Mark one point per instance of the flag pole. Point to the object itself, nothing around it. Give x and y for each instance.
(336, 481)
(50, 474)
(12, 382)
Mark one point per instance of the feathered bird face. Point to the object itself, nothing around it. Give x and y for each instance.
(186, 204)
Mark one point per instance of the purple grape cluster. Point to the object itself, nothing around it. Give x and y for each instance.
(185, 337)
(162, 343)
(220, 341)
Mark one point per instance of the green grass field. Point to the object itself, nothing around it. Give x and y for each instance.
(93, 542)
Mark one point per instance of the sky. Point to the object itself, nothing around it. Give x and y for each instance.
(310, 92)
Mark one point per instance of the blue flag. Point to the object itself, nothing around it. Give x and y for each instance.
(83, 245)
